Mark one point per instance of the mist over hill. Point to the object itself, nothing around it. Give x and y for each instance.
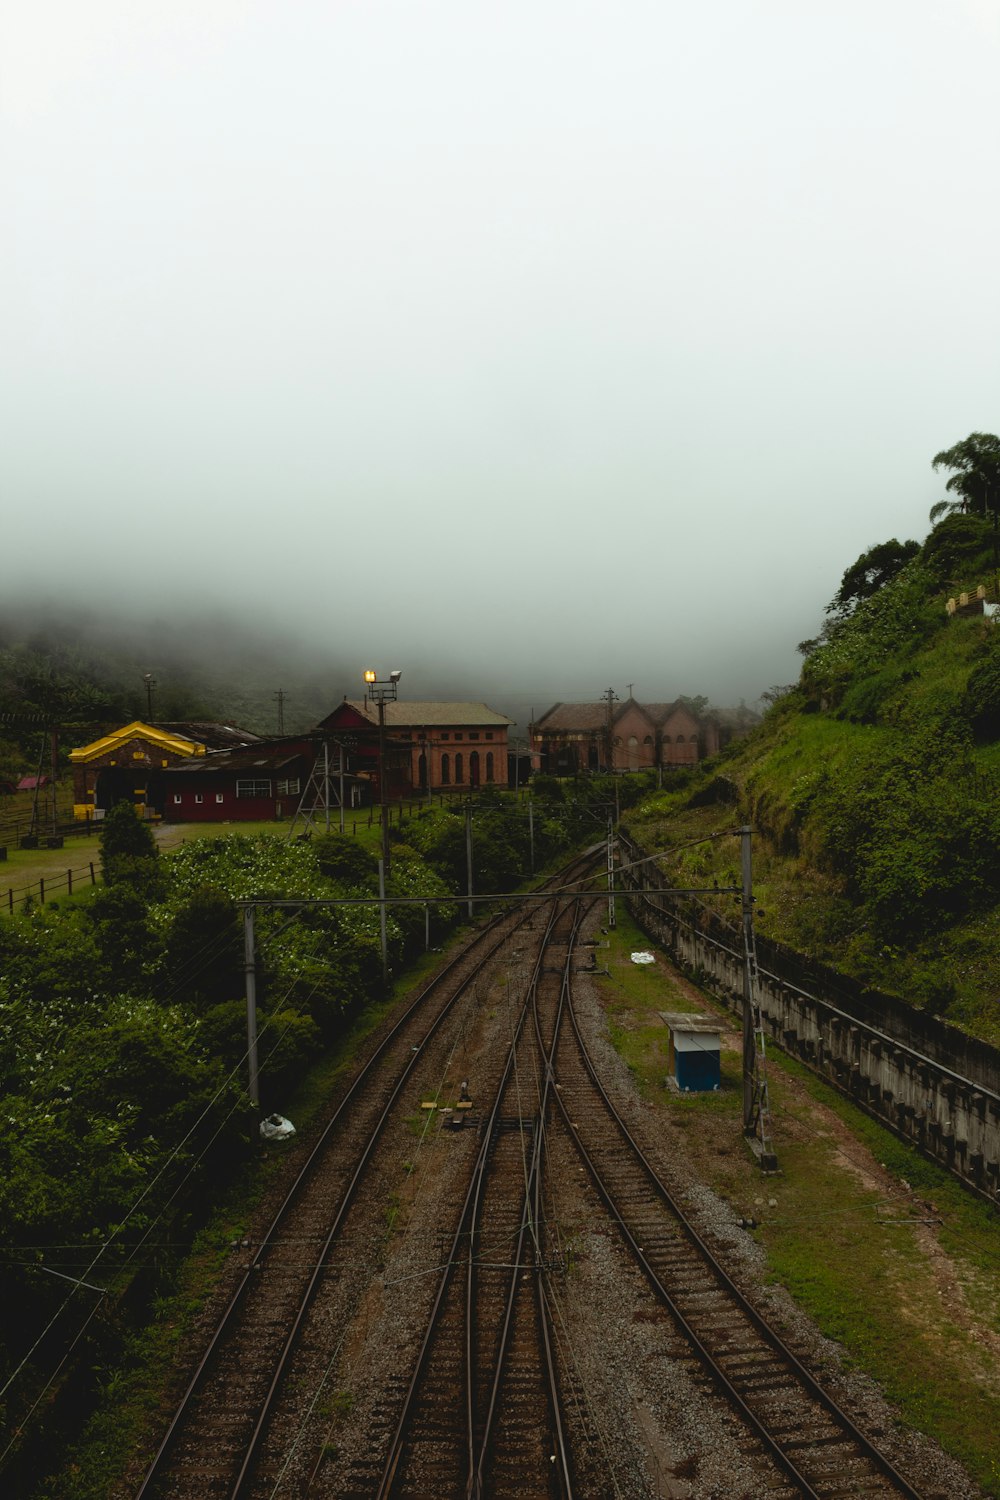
(79, 664)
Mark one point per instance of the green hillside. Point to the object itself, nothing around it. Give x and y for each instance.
(873, 786)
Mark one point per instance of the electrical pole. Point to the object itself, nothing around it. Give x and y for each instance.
(756, 1111)
(150, 682)
(281, 710)
(611, 872)
(379, 691)
(250, 971)
(612, 698)
(468, 856)
(383, 928)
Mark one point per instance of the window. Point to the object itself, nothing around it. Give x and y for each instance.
(647, 739)
(459, 768)
(220, 796)
(458, 736)
(289, 788)
(199, 799)
(177, 797)
(446, 769)
(473, 734)
(489, 765)
(445, 735)
(253, 788)
(489, 734)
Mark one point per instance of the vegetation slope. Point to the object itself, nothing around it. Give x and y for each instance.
(873, 785)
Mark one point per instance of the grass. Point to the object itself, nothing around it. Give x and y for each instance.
(861, 1265)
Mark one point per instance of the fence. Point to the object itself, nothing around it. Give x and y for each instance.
(45, 885)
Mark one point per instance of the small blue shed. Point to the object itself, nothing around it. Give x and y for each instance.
(695, 1051)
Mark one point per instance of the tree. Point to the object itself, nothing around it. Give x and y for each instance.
(976, 481)
(873, 569)
(128, 850)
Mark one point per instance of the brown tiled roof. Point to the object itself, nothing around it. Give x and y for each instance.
(591, 716)
(574, 716)
(404, 714)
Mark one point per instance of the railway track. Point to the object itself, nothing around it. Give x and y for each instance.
(814, 1445)
(214, 1443)
(473, 1406)
(482, 1412)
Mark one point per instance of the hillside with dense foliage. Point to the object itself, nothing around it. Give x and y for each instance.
(873, 786)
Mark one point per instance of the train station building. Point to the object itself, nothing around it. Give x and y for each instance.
(625, 736)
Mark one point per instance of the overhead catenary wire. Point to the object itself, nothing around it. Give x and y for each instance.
(129, 1214)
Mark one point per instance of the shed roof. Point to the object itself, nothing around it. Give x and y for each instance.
(247, 758)
(208, 733)
(687, 1021)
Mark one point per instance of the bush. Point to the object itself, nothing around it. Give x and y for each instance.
(981, 703)
(129, 853)
(345, 860)
(958, 550)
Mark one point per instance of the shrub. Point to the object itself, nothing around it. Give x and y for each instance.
(981, 703)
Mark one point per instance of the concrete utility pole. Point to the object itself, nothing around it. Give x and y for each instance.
(756, 1111)
(531, 830)
(383, 928)
(279, 695)
(611, 873)
(250, 971)
(468, 857)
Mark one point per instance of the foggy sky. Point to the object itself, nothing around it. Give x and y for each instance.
(531, 347)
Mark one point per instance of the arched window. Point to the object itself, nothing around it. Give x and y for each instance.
(459, 769)
(489, 765)
(446, 769)
(648, 740)
(474, 769)
(680, 739)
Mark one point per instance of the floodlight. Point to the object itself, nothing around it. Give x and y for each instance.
(370, 675)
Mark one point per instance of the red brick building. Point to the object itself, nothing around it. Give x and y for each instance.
(573, 737)
(429, 745)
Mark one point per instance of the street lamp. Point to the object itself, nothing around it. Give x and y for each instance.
(381, 692)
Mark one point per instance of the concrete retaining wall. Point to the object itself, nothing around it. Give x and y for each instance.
(949, 1112)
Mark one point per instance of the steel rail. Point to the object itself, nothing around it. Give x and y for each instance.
(805, 1377)
(199, 1377)
(531, 1221)
(473, 1199)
